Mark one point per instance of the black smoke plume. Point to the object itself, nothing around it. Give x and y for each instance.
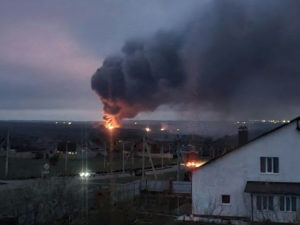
(239, 58)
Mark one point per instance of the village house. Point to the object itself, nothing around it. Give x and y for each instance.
(258, 181)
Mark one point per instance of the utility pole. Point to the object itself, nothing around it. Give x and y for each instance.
(150, 159)
(162, 157)
(6, 158)
(123, 161)
(132, 157)
(170, 153)
(178, 166)
(104, 156)
(178, 162)
(66, 158)
(143, 158)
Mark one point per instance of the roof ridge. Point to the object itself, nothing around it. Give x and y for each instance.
(252, 140)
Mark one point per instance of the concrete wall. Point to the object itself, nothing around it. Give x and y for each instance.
(175, 187)
(230, 173)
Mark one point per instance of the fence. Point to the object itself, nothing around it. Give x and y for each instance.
(132, 189)
(155, 185)
(182, 187)
(175, 187)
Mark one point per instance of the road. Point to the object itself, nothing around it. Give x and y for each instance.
(17, 184)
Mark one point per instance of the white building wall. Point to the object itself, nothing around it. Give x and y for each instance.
(230, 173)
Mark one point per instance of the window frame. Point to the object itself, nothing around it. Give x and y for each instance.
(269, 165)
(264, 204)
(225, 203)
(289, 203)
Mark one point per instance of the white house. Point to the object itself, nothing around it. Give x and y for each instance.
(258, 181)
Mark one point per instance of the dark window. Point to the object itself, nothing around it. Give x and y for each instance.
(265, 202)
(287, 204)
(276, 164)
(263, 164)
(225, 199)
(258, 202)
(281, 203)
(294, 204)
(271, 203)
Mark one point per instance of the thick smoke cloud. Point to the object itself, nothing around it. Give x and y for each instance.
(238, 58)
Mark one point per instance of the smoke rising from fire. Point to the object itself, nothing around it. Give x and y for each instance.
(237, 58)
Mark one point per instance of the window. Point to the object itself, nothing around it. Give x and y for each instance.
(269, 164)
(225, 199)
(288, 203)
(264, 202)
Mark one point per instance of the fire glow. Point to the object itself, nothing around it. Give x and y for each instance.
(110, 122)
(110, 127)
(193, 164)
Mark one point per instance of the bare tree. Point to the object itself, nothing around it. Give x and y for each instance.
(44, 201)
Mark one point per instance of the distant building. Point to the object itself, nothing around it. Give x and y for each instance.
(259, 181)
(74, 151)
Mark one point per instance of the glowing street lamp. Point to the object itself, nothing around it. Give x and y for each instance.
(147, 129)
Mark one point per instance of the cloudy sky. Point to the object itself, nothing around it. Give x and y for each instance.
(50, 50)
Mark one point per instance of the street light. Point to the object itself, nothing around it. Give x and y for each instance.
(147, 129)
(123, 161)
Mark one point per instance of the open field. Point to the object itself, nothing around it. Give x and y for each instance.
(29, 168)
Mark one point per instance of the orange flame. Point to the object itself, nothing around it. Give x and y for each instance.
(193, 164)
(111, 121)
(110, 127)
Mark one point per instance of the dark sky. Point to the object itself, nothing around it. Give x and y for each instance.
(237, 61)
